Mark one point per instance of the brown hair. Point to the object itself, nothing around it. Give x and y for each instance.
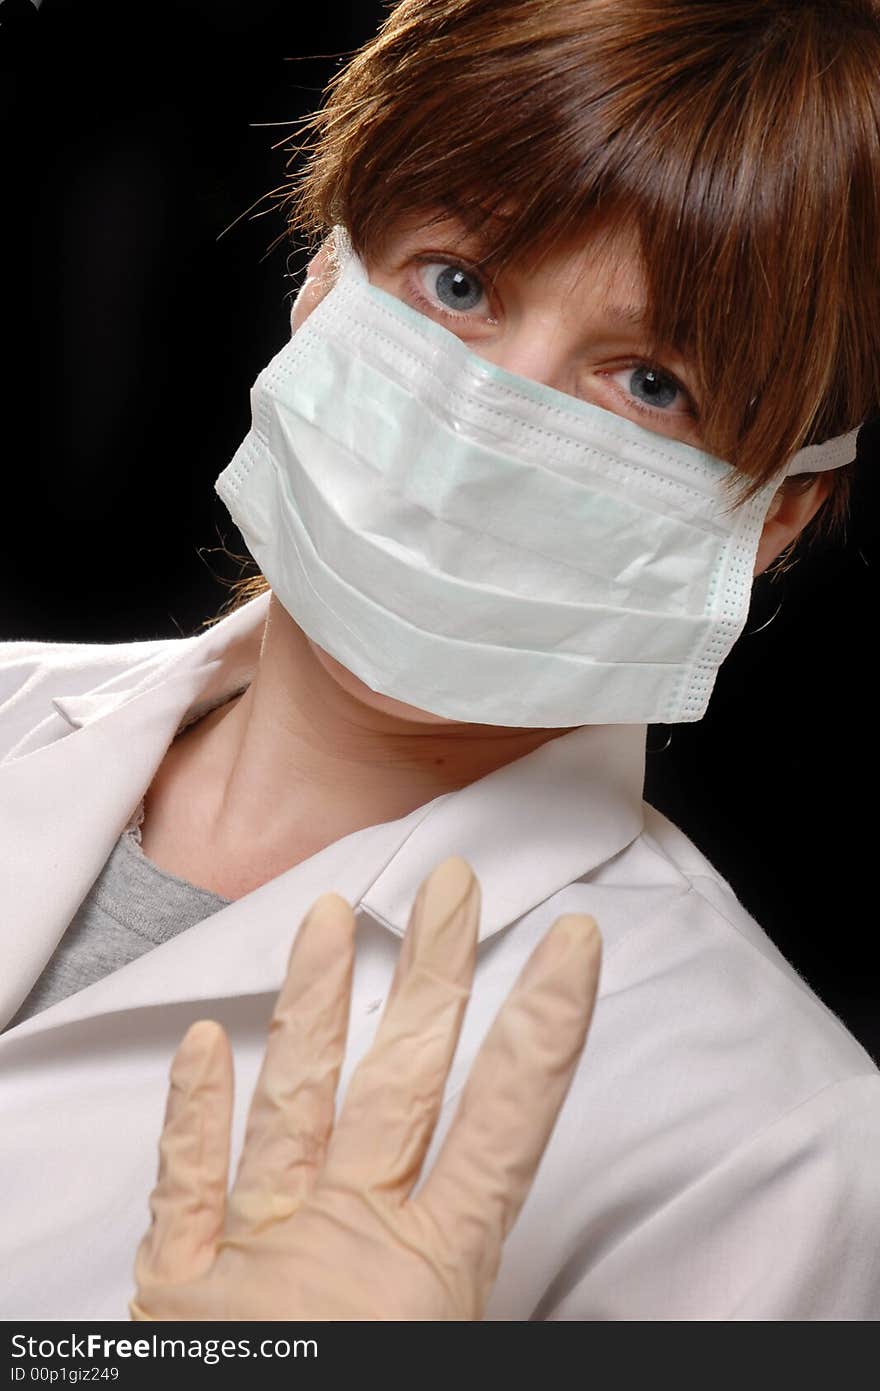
(739, 138)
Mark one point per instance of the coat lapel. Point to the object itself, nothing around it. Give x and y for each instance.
(528, 830)
(62, 809)
(243, 948)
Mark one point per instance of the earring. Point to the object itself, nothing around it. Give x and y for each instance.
(765, 625)
(663, 750)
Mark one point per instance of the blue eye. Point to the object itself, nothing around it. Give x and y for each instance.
(454, 288)
(652, 388)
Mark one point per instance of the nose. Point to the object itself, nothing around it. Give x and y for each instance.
(535, 347)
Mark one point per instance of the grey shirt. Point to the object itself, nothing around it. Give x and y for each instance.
(131, 907)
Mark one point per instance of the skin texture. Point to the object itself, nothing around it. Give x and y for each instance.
(308, 738)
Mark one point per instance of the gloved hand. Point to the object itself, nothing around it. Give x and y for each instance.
(320, 1223)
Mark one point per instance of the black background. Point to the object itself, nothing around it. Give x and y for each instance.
(139, 303)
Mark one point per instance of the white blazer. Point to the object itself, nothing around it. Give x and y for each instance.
(718, 1155)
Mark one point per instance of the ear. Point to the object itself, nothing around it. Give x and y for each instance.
(320, 277)
(789, 514)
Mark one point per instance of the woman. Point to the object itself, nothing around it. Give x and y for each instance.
(587, 353)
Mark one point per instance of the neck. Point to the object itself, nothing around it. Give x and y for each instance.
(301, 749)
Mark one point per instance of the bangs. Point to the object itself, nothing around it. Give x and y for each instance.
(739, 142)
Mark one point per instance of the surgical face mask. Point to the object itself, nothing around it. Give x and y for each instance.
(478, 545)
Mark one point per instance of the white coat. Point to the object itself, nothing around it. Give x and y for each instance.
(718, 1155)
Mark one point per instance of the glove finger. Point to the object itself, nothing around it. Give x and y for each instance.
(188, 1202)
(292, 1109)
(394, 1096)
(514, 1093)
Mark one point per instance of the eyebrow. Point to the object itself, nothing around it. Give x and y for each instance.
(624, 313)
(629, 315)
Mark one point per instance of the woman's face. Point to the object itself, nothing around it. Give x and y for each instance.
(575, 324)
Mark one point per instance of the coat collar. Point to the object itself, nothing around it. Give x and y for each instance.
(528, 829)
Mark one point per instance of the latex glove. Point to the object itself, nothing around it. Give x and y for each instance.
(321, 1222)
